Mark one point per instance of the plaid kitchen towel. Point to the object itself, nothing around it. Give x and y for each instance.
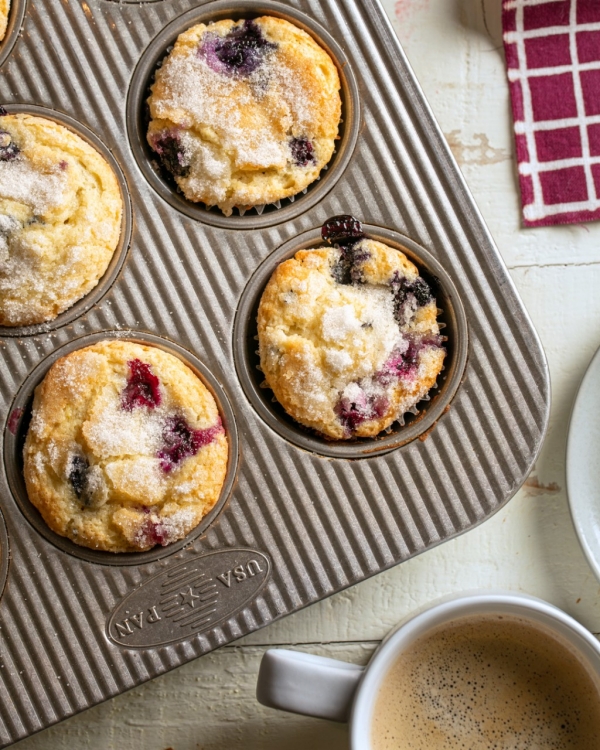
(553, 59)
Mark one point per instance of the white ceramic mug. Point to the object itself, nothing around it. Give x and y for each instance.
(329, 689)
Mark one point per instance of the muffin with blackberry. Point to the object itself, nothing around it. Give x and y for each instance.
(125, 449)
(60, 218)
(244, 113)
(348, 335)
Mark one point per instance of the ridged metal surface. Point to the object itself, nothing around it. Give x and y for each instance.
(324, 523)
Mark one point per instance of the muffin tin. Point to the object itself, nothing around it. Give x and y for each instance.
(299, 518)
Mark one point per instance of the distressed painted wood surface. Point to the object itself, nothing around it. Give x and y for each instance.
(455, 47)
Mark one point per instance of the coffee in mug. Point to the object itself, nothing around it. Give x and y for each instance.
(488, 682)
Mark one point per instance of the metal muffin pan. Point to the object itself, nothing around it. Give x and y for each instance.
(453, 323)
(297, 525)
(18, 424)
(118, 258)
(165, 186)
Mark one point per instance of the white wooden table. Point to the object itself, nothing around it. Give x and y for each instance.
(455, 47)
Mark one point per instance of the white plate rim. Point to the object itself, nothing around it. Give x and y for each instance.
(579, 502)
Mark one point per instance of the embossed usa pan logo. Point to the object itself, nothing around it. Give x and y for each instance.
(189, 598)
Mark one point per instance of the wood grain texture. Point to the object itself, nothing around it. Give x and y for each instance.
(530, 545)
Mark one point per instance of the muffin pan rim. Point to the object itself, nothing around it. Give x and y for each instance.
(4, 554)
(14, 440)
(299, 203)
(400, 435)
(117, 262)
(16, 16)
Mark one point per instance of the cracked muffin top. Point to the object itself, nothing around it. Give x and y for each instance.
(244, 113)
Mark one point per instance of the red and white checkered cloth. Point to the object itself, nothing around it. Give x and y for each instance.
(553, 58)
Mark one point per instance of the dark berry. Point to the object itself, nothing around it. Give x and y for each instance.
(342, 230)
(410, 358)
(8, 148)
(352, 412)
(142, 387)
(422, 292)
(403, 290)
(180, 441)
(347, 269)
(239, 53)
(402, 365)
(3, 111)
(153, 532)
(13, 420)
(303, 152)
(78, 474)
(171, 154)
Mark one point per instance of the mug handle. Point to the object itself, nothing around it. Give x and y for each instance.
(307, 684)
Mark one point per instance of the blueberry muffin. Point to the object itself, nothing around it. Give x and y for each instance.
(244, 113)
(348, 335)
(60, 218)
(4, 9)
(125, 449)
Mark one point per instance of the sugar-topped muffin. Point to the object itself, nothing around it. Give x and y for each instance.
(348, 335)
(244, 113)
(60, 218)
(125, 449)
(4, 10)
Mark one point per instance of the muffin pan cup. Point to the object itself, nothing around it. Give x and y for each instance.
(300, 518)
(18, 423)
(453, 324)
(260, 216)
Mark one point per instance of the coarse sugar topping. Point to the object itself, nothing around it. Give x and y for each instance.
(247, 138)
(158, 529)
(23, 182)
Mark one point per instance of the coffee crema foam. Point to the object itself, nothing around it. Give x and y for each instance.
(490, 682)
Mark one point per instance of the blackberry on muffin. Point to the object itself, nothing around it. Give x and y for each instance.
(60, 218)
(348, 335)
(244, 113)
(125, 449)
